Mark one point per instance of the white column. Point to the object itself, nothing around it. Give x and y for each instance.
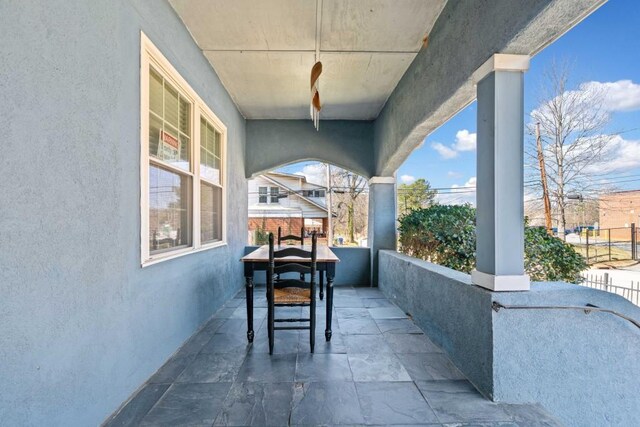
(500, 176)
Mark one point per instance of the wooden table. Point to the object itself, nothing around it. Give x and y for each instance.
(259, 259)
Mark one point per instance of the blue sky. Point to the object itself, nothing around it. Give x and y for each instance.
(603, 48)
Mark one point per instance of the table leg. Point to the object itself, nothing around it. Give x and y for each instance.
(329, 303)
(249, 289)
(321, 284)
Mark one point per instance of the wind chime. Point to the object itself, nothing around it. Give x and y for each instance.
(315, 107)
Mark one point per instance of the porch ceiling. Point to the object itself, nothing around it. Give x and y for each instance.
(263, 51)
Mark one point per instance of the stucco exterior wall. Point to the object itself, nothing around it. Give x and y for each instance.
(82, 325)
(454, 313)
(344, 143)
(579, 365)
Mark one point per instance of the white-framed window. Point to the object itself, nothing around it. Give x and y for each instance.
(183, 164)
(262, 194)
(274, 193)
(313, 193)
(269, 195)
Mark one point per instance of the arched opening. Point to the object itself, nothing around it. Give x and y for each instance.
(310, 196)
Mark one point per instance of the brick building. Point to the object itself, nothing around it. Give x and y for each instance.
(618, 211)
(285, 200)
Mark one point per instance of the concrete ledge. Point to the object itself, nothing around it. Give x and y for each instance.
(580, 365)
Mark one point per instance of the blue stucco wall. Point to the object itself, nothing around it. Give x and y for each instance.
(455, 314)
(344, 143)
(382, 220)
(579, 366)
(352, 270)
(82, 325)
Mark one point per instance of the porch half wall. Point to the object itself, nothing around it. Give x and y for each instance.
(582, 367)
(353, 269)
(82, 325)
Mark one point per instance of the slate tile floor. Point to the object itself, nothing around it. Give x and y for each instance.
(378, 369)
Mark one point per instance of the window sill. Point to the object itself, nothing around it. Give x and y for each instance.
(180, 253)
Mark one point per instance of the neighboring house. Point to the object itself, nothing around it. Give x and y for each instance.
(278, 199)
(618, 211)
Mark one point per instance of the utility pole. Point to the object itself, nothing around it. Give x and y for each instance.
(329, 208)
(543, 179)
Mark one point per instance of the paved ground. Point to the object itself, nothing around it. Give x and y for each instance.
(378, 369)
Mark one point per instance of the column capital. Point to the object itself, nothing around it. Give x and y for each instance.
(382, 180)
(501, 62)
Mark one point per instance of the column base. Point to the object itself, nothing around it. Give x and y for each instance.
(501, 283)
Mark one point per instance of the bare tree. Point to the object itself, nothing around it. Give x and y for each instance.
(351, 206)
(572, 132)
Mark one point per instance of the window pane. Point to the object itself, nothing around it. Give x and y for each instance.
(218, 149)
(169, 210)
(169, 123)
(155, 92)
(185, 116)
(210, 167)
(274, 194)
(210, 213)
(155, 128)
(262, 195)
(171, 105)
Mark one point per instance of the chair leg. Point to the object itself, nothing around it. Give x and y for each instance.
(270, 324)
(321, 285)
(312, 323)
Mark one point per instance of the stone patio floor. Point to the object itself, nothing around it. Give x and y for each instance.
(378, 369)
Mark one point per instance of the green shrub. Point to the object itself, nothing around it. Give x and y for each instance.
(260, 237)
(547, 258)
(442, 234)
(446, 235)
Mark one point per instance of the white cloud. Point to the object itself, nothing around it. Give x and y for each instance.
(444, 151)
(407, 179)
(315, 173)
(465, 141)
(620, 155)
(460, 194)
(623, 95)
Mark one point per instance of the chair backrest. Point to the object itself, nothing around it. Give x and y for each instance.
(309, 267)
(282, 238)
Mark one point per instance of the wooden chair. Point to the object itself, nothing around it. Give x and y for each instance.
(291, 292)
(282, 238)
(300, 239)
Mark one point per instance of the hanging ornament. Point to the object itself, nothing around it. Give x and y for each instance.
(315, 107)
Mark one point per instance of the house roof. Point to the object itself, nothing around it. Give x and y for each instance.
(298, 194)
(295, 175)
(615, 193)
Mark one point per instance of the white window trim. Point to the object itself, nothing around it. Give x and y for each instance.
(151, 55)
(268, 195)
